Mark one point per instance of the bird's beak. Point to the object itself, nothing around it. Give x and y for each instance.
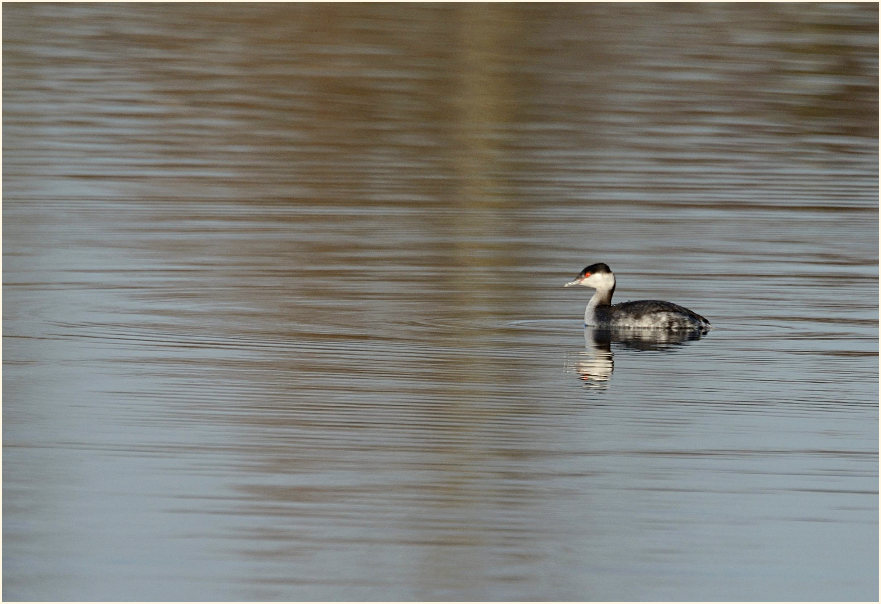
(571, 283)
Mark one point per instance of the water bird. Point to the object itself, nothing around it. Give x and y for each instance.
(654, 314)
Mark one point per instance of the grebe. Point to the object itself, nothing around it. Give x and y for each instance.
(600, 311)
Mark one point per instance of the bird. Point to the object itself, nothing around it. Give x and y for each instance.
(654, 314)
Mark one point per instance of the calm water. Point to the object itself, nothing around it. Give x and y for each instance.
(283, 315)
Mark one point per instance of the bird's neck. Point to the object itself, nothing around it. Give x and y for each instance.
(602, 297)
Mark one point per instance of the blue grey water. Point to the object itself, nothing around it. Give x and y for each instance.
(283, 315)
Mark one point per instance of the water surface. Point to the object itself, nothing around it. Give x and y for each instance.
(283, 312)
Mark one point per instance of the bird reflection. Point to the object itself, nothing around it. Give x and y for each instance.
(595, 364)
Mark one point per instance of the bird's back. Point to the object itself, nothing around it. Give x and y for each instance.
(651, 313)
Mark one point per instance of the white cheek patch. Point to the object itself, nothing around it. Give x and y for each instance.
(594, 280)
